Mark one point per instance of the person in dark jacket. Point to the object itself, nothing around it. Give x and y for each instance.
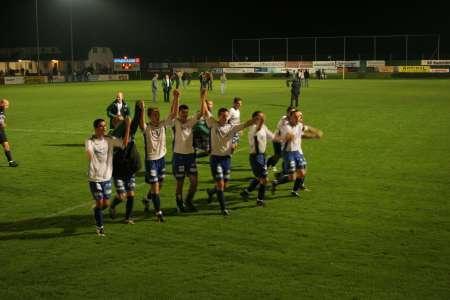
(295, 91)
(118, 110)
(167, 86)
(126, 162)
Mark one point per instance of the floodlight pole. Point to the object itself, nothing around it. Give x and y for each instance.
(259, 49)
(315, 48)
(375, 48)
(38, 49)
(406, 50)
(343, 64)
(71, 36)
(287, 49)
(232, 54)
(438, 46)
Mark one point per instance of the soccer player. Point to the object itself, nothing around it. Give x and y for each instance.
(294, 168)
(4, 104)
(99, 149)
(155, 151)
(184, 160)
(277, 146)
(126, 162)
(220, 159)
(257, 139)
(235, 119)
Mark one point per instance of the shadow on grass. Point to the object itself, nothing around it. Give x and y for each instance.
(65, 145)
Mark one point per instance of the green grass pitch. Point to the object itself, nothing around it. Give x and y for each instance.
(375, 225)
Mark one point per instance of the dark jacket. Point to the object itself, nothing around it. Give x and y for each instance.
(113, 111)
(295, 86)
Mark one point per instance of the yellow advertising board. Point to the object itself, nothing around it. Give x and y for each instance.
(414, 69)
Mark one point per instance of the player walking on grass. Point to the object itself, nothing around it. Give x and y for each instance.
(99, 149)
(258, 134)
(235, 119)
(4, 104)
(126, 162)
(294, 168)
(220, 160)
(184, 160)
(155, 151)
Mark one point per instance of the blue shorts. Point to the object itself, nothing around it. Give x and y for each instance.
(183, 164)
(100, 190)
(155, 170)
(125, 185)
(259, 165)
(220, 167)
(293, 161)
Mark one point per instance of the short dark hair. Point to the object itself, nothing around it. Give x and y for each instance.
(222, 110)
(290, 108)
(151, 109)
(97, 122)
(237, 99)
(256, 113)
(183, 107)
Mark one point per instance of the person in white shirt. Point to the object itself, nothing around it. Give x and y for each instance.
(277, 146)
(294, 168)
(220, 160)
(155, 151)
(235, 119)
(99, 149)
(223, 83)
(258, 134)
(184, 160)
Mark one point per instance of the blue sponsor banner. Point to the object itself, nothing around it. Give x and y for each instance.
(261, 70)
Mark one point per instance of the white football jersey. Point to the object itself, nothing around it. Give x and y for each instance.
(258, 139)
(101, 150)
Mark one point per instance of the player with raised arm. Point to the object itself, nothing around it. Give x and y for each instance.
(184, 160)
(155, 150)
(99, 149)
(220, 160)
(294, 168)
(258, 134)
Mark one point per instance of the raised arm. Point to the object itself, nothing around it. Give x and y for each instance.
(175, 104)
(203, 104)
(141, 115)
(126, 136)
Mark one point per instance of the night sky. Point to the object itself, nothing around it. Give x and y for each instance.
(194, 30)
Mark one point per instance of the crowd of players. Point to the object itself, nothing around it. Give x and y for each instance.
(114, 155)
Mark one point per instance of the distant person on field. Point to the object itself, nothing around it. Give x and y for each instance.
(235, 119)
(167, 86)
(4, 104)
(223, 83)
(306, 73)
(99, 149)
(118, 109)
(154, 87)
(295, 91)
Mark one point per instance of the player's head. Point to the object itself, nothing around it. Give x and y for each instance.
(4, 103)
(99, 127)
(289, 109)
(237, 102)
(295, 116)
(210, 105)
(153, 114)
(259, 116)
(155, 75)
(183, 112)
(223, 115)
(119, 96)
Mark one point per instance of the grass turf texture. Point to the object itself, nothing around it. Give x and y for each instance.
(375, 225)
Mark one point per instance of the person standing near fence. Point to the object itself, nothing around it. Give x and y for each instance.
(154, 87)
(223, 83)
(167, 86)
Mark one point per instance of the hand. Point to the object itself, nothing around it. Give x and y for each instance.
(176, 93)
(141, 104)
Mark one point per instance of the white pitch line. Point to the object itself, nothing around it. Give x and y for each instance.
(46, 131)
(67, 210)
